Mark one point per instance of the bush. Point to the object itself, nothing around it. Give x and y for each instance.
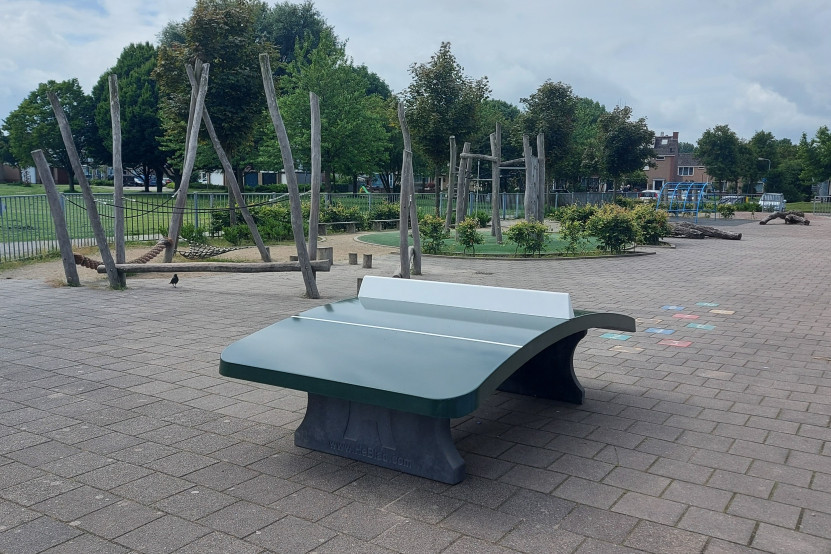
(580, 214)
(748, 207)
(530, 236)
(625, 202)
(469, 237)
(726, 210)
(652, 225)
(482, 217)
(385, 210)
(613, 227)
(336, 212)
(236, 234)
(432, 232)
(193, 234)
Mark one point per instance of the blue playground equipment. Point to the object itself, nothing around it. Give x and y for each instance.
(686, 198)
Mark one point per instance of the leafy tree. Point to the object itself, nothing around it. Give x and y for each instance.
(686, 148)
(224, 34)
(815, 155)
(551, 110)
(718, 149)
(140, 123)
(586, 116)
(353, 136)
(6, 156)
(33, 126)
(441, 101)
(625, 146)
(286, 26)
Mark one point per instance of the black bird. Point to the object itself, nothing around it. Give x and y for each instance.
(174, 280)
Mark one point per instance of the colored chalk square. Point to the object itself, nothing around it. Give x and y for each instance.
(626, 349)
(615, 336)
(686, 316)
(706, 304)
(722, 312)
(677, 308)
(701, 326)
(678, 343)
(660, 331)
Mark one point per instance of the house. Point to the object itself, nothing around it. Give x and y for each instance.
(672, 166)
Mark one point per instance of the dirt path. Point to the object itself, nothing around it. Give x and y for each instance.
(52, 271)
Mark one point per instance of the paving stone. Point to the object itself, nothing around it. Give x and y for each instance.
(650, 508)
(416, 537)
(195, 503)
(698, 495)
(166, 534)
(480, 522)
(75, 503)
(777, 539)
(535, 538)
(537, 508)
(659, 539)
(87, 544)
(599, 524)
(119, 518)
(425, 506)
(36, 536)
(716, 524)
(310, 504)
(291, 534)
(241, 519)
(587, 492)
(152, 488)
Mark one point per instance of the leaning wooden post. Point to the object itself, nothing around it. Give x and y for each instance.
(233, 185)
(291, 179)
(496, 152)
(542, 190)
(531, 195)
(314, 209)
(187, 169)
(404, 205)
(89, 199)
(118, 179)
(64, 242)
(407, 171)
(462, 189)
(452, 184)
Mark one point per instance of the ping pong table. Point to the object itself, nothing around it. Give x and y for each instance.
(386, 371)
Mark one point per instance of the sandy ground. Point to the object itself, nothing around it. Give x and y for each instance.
(52, 271)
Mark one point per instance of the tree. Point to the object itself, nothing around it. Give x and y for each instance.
(6, 156)
(551, 110)
(686, 147)
(140, 123)
(586, 116)
(33, 126)
(353, 137)
(492, 112)
(815, 156)
(222, 33)
(718, 149)
(441, 101)
(625, 146)
(286, 26)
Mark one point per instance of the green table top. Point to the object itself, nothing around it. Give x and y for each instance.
(432, 360)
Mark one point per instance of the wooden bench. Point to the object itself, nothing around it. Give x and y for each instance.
(386, 371)
(348, 226)
(382, 224)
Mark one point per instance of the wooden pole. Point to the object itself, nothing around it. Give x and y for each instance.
(542, 187)
(64, 242)
(187, 169)
(291, 179)
(462, 193)
(118, 179)
(413, 208)
(531, 196)
(231, 177)
(404, 211)
(89, 199)
(496, 152)
(452, 184)
(314, 209)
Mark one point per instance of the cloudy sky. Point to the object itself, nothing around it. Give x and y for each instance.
(685, 66)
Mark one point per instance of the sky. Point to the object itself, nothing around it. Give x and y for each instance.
(684, 66)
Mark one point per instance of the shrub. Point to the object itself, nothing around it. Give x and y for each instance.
(530, 236)
(625, 202)
(469, 237)
(482, 217)
(336, 212)
(726, 210)
(433, 233)
(581, 214)
(236, 234)
(748, 207)
(385, 210)
(613, 227)
(574, 233)
(652, 225)
(193, 234)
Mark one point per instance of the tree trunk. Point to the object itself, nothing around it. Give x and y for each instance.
(790, 218)
(462, 186)
(118, 179)
(451, 185)
(531, 195)
(541, 185)
(408, 207)
(64, 242)
(496, 152)
(197, 106)
(314, 210)
(89, 200)
(291, 179)
(693, 231)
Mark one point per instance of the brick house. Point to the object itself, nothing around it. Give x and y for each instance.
(672, 166)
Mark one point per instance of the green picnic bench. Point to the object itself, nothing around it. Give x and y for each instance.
(386, 371)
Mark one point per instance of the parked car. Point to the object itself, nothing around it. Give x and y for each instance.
(772, 202)
(649, 195)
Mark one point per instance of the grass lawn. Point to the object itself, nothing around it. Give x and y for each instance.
(14, 189)
(489, 248)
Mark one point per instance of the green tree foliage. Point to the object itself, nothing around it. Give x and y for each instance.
(353, 133)
(441, 101)
(586, 115)
(33, 126)
(6, 156)
(224, 34)
(718, 149)
(551, 110)
(625, 146)
(529, 236)
(815, 155)
(686, 148)
(139, 102)
(286, 26)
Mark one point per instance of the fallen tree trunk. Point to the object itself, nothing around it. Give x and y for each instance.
(791, 218)
(694, 231)
(219, 267)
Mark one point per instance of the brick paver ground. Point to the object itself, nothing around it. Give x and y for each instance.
(117, 433)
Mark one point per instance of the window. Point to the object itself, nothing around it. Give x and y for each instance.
(685, 171)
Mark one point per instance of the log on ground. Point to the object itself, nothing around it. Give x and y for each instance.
(695, 231)
(790, 217)
(213, 267)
